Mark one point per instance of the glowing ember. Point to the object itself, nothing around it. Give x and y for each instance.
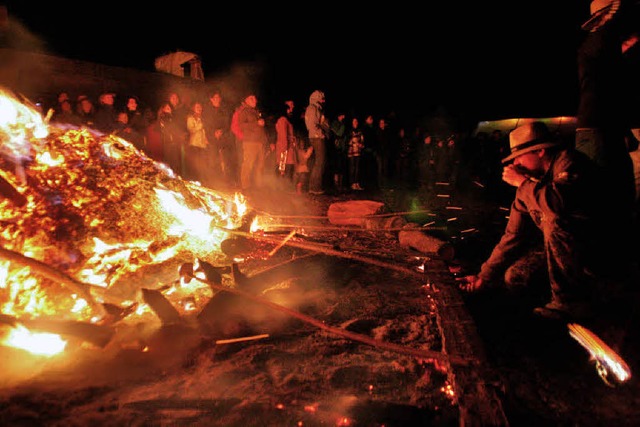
(344, 421)
(448, 390)
(100, 212)
(608, 362)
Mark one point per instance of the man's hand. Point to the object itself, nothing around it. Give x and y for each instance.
(471, 283)
(512, 176)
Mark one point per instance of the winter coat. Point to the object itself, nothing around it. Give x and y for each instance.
(314, 116)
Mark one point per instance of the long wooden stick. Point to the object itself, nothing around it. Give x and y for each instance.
(329, 251)
(356, 229)
(281, 244)
(242, 339)
(420, 353)
(380, 215)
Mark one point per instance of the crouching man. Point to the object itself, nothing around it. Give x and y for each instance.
(558, 221)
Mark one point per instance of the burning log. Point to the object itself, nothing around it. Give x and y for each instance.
(50, 273)
(161, 306)
(98, 335)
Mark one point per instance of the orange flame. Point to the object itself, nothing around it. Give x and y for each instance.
(99, 210)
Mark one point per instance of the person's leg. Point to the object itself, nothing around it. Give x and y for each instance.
(259, 165)
(573, 287)
(248, 168)
(527, 277)
(357, 162)
(351, 170)
(317, 165)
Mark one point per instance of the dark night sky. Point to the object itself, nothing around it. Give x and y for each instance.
(484, 59)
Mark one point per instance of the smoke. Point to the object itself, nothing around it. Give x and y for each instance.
(17, 42)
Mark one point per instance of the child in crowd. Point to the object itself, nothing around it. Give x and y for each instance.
(304, 150)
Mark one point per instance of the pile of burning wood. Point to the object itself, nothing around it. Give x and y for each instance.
(87, 221)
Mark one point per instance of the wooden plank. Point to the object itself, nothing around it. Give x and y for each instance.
(474, 385)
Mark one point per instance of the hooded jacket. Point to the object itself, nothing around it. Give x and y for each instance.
(314, 115)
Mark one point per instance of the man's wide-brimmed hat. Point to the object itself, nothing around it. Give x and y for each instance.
(529, 137)
(601, 12)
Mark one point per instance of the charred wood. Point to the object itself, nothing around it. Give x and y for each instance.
(161, 306)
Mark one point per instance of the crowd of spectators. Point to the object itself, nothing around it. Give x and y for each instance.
(360, 152)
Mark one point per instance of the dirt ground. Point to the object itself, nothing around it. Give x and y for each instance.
(295, 371)
(299, 373)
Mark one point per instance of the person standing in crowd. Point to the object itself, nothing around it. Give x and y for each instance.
(106, 115)
(557, 222)
(370, 154)
(223, 143)
(631, 56)
(407, 159)
(86, 111)
(385, 157)
(354, 153)
(427, 163)
(159, 133)
(338, 156)
(602, 108)
(317, 127)
(61, 97)
(135, 120)
(124, 130)
(65, 114)
(198, 153)
(174, 148)
(217, 120)
(285, 143)
(253, 137)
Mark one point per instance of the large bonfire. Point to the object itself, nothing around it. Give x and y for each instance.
(84, 218)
